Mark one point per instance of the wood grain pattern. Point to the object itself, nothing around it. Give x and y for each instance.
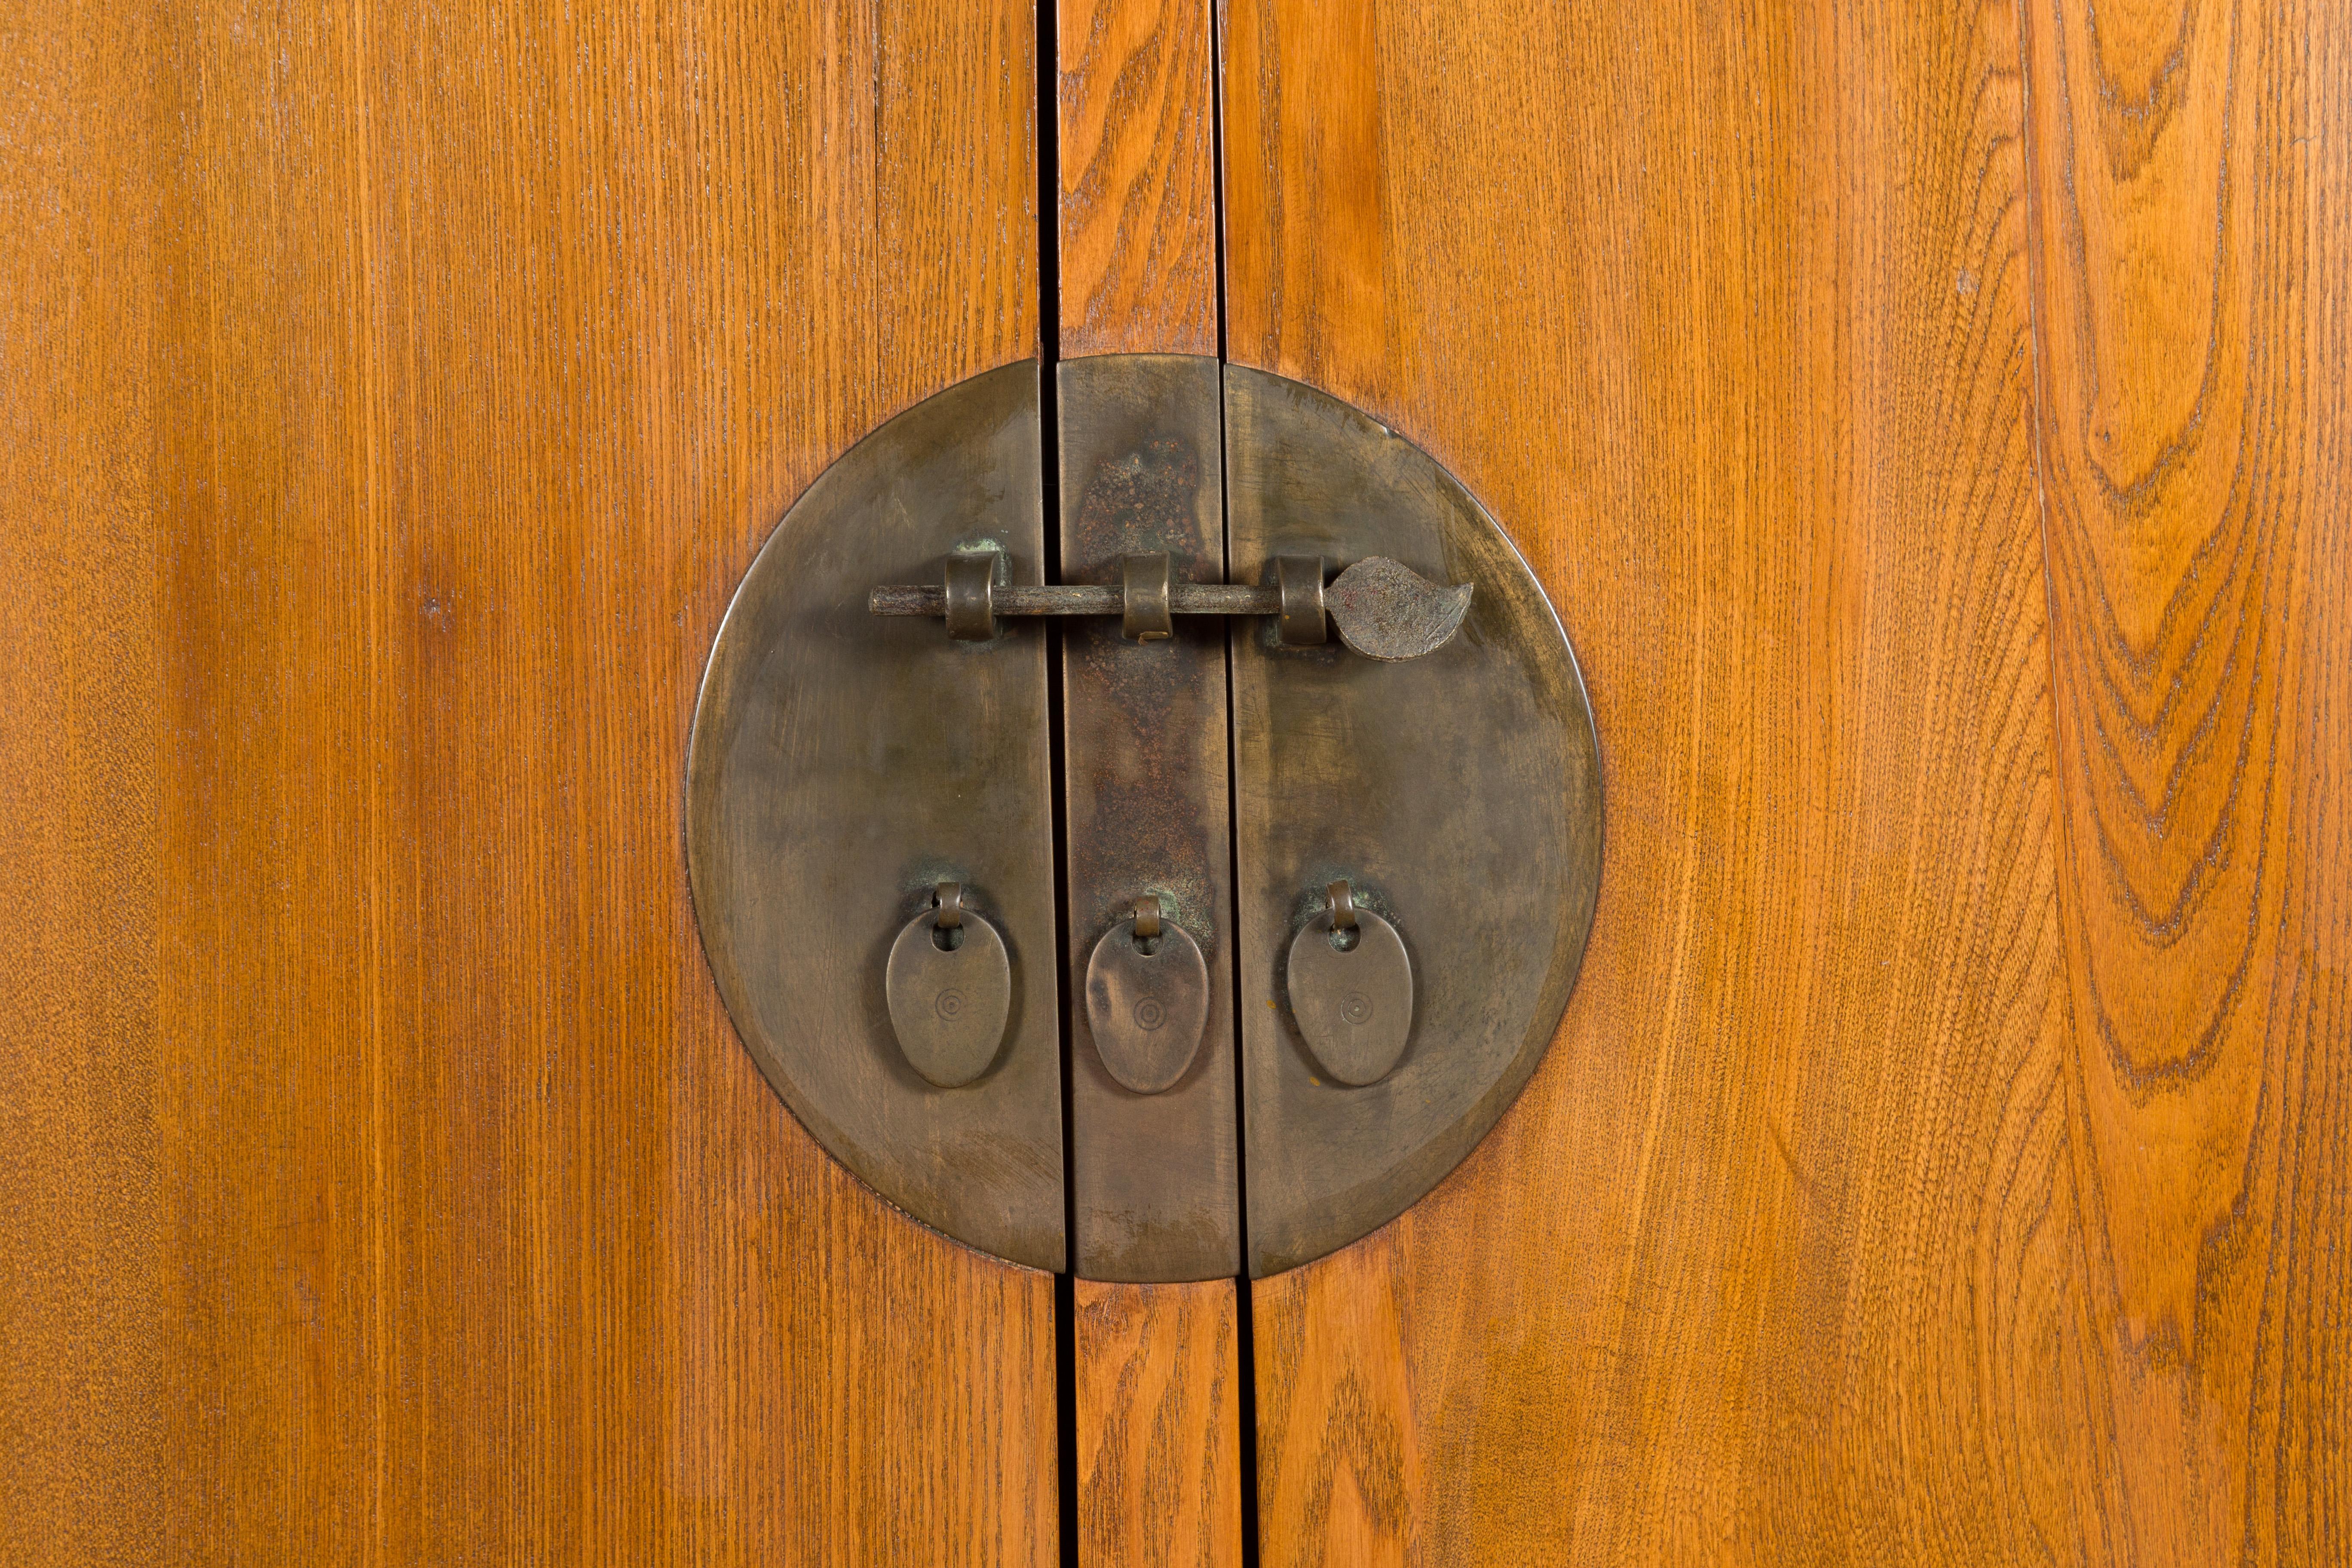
(1782, 1256)
(2192, 251)
(487, 344)
(1158, 1383)
(1136, 141)
(82, 1461)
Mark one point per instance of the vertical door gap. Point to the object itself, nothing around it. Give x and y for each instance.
(1244, 1322)
(1047, 140)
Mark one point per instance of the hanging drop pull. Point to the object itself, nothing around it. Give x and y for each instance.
(1147, 999)
(948, 983)
(1351, 985)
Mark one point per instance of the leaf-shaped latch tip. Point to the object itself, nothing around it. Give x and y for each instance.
(1387, 610)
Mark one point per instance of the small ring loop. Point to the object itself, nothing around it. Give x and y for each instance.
(1147, 917)
(1144, 591)
(950, 906)
(1343, 905)
(971, 596)
(1298, 579)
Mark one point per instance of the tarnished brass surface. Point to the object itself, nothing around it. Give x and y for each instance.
(1459, 793)
(1145, 749)
(841, 767)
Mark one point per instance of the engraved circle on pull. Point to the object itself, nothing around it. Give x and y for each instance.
(949, 985)
(1351, 992)
(1147, 1001)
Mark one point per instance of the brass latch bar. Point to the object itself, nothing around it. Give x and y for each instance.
(1384, 610)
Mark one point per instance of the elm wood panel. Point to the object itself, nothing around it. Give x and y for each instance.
(2190, 252)
(1158, 1432)
(1137, 144)
(82, 1463)
(1724, 313)
(485, 348)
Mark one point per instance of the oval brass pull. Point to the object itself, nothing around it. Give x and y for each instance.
(949, 985)
(1147, 999)
(1352, 990)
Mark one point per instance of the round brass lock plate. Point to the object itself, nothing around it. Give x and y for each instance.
(1437, 756)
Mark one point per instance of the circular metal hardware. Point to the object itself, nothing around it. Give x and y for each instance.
(1146, 614)
(1443, 765)
(971, 597)
(949, 985)
(1147, 1000)
(1299, 580)
(1351, 984)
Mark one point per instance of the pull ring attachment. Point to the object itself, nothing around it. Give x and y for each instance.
(1343, 905)
(948, 914)
(1147, 918)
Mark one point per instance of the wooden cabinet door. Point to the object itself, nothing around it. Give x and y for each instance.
(1929, 420)
(394, 397)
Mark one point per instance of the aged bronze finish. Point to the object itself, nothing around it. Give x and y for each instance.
(1383, 610)
(1145, 743)
(1147, 999)
(950, 988)
(1458, 794)
(1351, 985)
(842, 767)
(1403, 891)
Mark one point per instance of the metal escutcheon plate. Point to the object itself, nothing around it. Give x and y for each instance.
(949, 1004)
(1353, 1003)
(1147, 1008)
(847, 770)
